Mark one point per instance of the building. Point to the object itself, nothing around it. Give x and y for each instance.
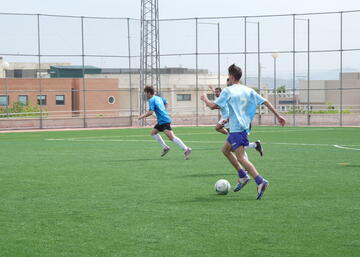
(327, 94)
(27, 69)
(63, 97)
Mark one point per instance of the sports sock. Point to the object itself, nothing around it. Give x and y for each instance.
(241, 173)
(180, 143)
(251, 145)
(158, 138)
(259, 179)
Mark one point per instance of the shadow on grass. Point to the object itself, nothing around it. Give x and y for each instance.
(138, 160)
(216, 198)
(352, 166)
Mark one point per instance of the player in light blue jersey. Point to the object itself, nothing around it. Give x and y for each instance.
(242, 102)
(158, 105)
(223, 125)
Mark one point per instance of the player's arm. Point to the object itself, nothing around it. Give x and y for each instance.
(212, 89)
(149, 113)
(280, 118)
(208, 103)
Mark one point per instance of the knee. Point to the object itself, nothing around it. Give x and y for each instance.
(225, 151)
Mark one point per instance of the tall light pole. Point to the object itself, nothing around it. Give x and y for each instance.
(149, 50)
(275, 55)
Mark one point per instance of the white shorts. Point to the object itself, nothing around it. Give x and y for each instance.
(221, 123)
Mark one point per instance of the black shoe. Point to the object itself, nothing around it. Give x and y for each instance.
(259, 147)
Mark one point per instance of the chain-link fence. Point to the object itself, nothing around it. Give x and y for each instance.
(70, 71)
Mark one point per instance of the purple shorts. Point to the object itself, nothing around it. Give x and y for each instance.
(238, 139)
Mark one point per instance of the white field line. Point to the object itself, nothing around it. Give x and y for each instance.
(190, 134)
(347, 148)
(198, 142)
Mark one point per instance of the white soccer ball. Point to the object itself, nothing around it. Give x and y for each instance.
(222, 187)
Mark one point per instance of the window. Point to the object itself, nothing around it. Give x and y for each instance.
(183, 97)
(111, 100)
(211, 97)
(286, 101)
(41, 99)
(23, 99)
(60, 100)
(17, 73)
(4, 100)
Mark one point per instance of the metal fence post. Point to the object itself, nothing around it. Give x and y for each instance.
(341, 68)
(245, 25)
(308, 74)
(83, 69)
(196, 72)
(218, 30)
(294, 49)
(129, 59)
(39, 70)
(259, 68)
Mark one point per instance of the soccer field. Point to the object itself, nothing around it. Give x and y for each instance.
(109, 193)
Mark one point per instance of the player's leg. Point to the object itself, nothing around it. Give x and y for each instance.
(257, 146)
(260, 181)
(243, 177)
(170, 134)
(159, 139)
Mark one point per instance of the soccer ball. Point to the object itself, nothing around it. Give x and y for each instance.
(222, 187)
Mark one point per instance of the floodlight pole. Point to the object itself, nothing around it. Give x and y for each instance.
(149, 50)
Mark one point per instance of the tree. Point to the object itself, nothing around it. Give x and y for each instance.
(281, 89)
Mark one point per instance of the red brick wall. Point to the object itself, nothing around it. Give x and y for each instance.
(97, 93)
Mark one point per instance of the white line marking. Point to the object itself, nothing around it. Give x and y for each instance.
(192, 141)
(190, 134)
(348, 148)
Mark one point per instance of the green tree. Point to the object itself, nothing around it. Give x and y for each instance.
(21, 110)
(281, 89)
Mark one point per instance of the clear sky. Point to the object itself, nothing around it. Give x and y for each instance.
(180, 37)
(176, 8)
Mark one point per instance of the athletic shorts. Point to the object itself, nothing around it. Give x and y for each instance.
(238, 139)
(163, 127)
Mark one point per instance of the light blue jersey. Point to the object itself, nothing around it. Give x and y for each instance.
(224, 112)
(157, 104)
(242, 102)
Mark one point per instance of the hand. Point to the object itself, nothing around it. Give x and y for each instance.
(224, 122)
(282, 121)
(203, 97)
(210, 86)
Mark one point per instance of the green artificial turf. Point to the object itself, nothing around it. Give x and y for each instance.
(109, 193)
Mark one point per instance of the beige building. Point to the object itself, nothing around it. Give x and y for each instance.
(326, 94)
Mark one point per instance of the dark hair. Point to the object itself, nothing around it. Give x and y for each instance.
(149, 89)
(235, 71)
(218, 88)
